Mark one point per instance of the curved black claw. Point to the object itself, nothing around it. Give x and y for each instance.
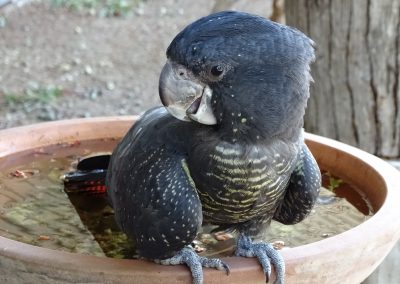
(266, 255)
(195, 262)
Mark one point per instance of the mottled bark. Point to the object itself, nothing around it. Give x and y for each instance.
(356, 95)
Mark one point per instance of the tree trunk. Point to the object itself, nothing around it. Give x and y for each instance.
(356, 94)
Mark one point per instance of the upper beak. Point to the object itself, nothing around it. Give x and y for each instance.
(185, 97)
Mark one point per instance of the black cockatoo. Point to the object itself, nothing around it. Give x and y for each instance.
(226, 149)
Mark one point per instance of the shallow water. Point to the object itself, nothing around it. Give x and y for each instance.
(35, 209)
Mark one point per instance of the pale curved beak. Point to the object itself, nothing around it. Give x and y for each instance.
(185, 97)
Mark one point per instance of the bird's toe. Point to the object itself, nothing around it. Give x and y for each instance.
(266, 255)
(195, 262)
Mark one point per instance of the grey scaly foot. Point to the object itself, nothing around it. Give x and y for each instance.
(266, 255)
(195, 262)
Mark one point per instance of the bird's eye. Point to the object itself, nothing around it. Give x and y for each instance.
(217, 70)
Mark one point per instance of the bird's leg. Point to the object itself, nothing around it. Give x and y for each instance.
(195, 262)
(266, 255)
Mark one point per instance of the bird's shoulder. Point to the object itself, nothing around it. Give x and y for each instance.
(155, 129)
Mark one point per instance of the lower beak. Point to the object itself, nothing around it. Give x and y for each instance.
(185, 97)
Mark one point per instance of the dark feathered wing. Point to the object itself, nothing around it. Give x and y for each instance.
(302, 191)
(154, 198)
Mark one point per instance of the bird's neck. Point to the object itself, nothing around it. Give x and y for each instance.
(245, 129)
(236, 124)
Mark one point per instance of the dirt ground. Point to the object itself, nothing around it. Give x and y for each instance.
(58, 63)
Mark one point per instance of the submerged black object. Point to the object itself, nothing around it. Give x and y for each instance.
(89, 177)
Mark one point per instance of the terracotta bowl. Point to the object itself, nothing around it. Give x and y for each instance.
(345, 258)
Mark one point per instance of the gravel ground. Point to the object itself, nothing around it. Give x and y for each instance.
(58, 63)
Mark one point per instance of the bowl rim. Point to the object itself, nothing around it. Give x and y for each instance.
(40, 136)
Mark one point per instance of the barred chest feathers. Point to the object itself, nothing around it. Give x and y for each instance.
(238, 182)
